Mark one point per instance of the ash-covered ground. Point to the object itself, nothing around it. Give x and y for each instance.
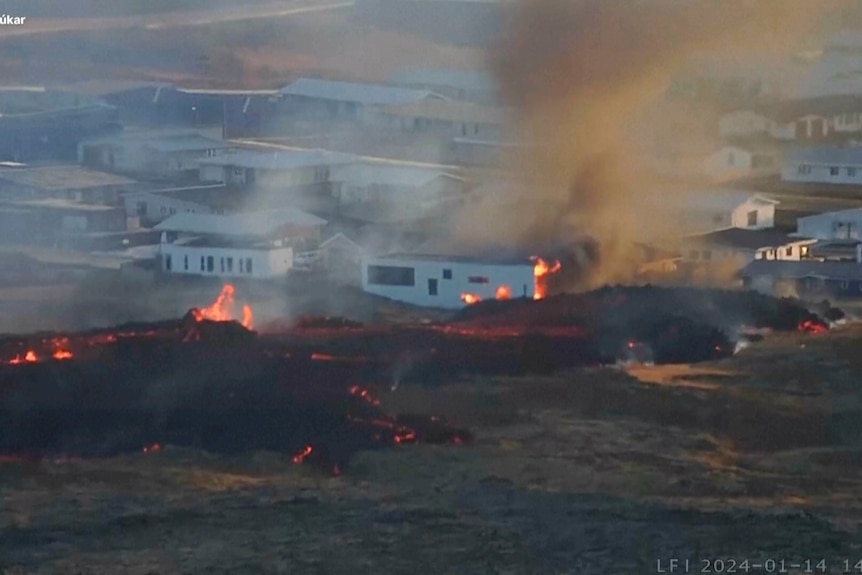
(594, 470)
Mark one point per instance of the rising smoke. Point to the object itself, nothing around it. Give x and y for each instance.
(581, 75)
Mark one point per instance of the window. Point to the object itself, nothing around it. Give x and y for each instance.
(752, 218)
(248, 265)
(478, 280)
(833, 171)
(432, 286)
(241, 265)
(804, 170)
(186, 263)
(163, 210)
(391, 276)
(210, 264)
(168, 262)
(706, 255)
(221, 264)
(845, 284)
(851, 172)
(237, 172)
(789, 251)
(203, 263)
(230, 265)
(447, 274)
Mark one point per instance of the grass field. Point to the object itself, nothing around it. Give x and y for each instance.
(593, 471)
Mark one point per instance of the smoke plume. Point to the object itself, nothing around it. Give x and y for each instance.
(581, 74)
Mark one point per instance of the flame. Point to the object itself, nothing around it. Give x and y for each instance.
(29, 357)
(470, 298)
(222, 309)
(62, 354)
(541, 269)
(503, 292)
(810, 326)
(302, 454)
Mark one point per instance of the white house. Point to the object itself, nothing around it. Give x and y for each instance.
(734, 162)
(283, 168)
(444, 118)
(418, 187)
(843, 224)
(67, 182)
(743, 124)
(153, 153)
(252, 245)
(446, 282)
(469, 85)
(715, 209)
(315, 98)
(736, 247)
(824, 165)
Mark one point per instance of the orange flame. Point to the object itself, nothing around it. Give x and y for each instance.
(222, 309)
(62, 354)
(29, 357)
(541, 269)
(302, 454)
(503, 292)
(470, 298)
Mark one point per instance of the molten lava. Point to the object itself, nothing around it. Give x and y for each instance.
(812, 326)
(302, 454)
(470, 298)
(222, 309)
(29, 357)
(503, 292)
(62, 354)
(541, 271)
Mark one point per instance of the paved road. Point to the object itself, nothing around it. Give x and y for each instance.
(170, 20)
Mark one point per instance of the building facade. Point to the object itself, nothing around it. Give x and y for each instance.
(840, 225)
(824, 165)
(445, 282)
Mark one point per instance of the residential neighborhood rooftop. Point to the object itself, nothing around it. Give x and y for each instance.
(788, 269)
(62, 177)
(745, 239)
(402, 176)
(60, 204)
(461, 259)
(826, 155)
(280, 160)
(367, 94)
(467, 80)
(462, 112)
(248, 224)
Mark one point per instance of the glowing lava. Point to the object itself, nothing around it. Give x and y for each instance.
(29, 357)
(62, 354)
(222, 309)
(503, 292)
(470, 298)
(810, 326)
(541, 271)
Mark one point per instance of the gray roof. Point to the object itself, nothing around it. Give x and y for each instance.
(744, 239)
(467, 80)
(367, 94)
(163, 140)
(366, 174)
(280, 160)
(249, 224)
(722, 200)
(826, 155)
(186, 144)
(801, 269)
(460, 259)
(62, 177)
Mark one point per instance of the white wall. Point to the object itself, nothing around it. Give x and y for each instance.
(438, 189)
(833, 225)
(157, 207)
(765, 215)
(791, 251)
(822, 174)
(518, 278)
(265, 263)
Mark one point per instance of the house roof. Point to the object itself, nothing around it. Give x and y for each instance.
(60, 204)
(367, 94)
(744, 239)
(186, 144)
(826, 155)
(832, 215)
(248, 224)
(107, 87)
(383, 212)
(280, 160)
(63, 177)
(801, 269)
(401, 176)
(476, 81)
(163, 140)
(449, 111)
(460, 259)
(724, 200)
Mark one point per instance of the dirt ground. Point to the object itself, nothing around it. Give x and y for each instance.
(599, 471)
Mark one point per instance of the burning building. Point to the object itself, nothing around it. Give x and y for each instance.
(451, 282)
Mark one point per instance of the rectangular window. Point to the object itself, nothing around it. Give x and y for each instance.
(237, 172)
(752, 218)
(241, 265)
(221, 264)
(391, 276)
(478, 280)
(432, 286)
(168, 262)
(230, 265)
(203, 263)
(210, 264)
(186, 263)
(833, 171)
(447, 274)
(851, 172)
(789, 251)
(248, 269)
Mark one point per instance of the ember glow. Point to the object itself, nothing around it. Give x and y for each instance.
(302, 454)
(62, 354)
(223, 307)
(541, 271)
(29, 357)
(503, 292)
(470, 298)
(811, 326)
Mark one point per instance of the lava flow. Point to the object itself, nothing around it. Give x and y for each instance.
(541, 271)
(813, 326)
(470, 298)
(222, 309)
